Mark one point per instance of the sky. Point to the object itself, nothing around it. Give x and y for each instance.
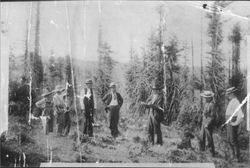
(123, 23)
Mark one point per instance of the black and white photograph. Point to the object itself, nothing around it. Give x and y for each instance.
(125, 84)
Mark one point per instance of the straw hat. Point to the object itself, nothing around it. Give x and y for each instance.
(112, 84)
(231, 90)
(207, 94)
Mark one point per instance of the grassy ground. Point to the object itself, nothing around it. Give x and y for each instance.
(130, 146)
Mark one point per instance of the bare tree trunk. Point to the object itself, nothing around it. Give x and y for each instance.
(202, 84)
(192, 45)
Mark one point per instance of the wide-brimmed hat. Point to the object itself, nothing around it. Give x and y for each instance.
(207, 94)
(89, 81)
(156, 85)
(46, 93)
(59, 88)
(112, 84)
(231, 90)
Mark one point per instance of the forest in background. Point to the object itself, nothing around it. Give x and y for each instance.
(159, 59)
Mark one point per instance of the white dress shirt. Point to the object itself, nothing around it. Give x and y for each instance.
(232, 105)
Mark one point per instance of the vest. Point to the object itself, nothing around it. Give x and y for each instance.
(89, 102)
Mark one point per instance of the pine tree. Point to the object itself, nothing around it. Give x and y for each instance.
(106, 65)
(215, 69)
(237, 77)
(173, 89)
(134, 85)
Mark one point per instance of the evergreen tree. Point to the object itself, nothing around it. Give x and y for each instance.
(135, 88)
(237, 77)
(215, 69)
(173, 87)
(106, 65)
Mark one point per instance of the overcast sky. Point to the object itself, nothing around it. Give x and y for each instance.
(122, 22)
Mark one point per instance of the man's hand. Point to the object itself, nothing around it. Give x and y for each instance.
(234, 118)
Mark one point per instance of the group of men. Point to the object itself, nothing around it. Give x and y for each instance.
(55, 107)
(113, 102)
(209, 117)
(58, 106)
(155, 106)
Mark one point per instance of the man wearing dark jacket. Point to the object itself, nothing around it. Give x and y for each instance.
(88, 106)
(113, 101)
(155, 107)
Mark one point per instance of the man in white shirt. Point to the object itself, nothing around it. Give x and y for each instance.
(113, 101)
(88, 107)
(232, 127)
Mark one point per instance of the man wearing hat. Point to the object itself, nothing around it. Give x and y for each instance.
(88, 106)
(113, 101)
(47, 115)
(59, 107)
(207, 122)
(233, 125)
(155, 106)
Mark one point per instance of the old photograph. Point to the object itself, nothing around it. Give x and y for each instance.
(125, 83)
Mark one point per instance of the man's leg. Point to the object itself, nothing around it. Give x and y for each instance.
(85, 128)
(235, 141)
(230, 139)
(116, 121)
(112, 119)
(157, 126)
(61, 124)
(150, 130)
(202, 139)
(209, 135)
(51, 123)
(67, 124)
(90, 126)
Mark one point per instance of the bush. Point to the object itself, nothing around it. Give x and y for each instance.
(190, 115)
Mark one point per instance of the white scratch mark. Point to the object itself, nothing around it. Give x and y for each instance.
(209, 8)
(53, 23)
(99, 6)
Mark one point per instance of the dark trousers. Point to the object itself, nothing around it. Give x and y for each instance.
(232, 137)
(114, 120)
(154, 127)
(60, 123)
(88, 127)
(207, 134)
(66, 123)
(50, 123)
